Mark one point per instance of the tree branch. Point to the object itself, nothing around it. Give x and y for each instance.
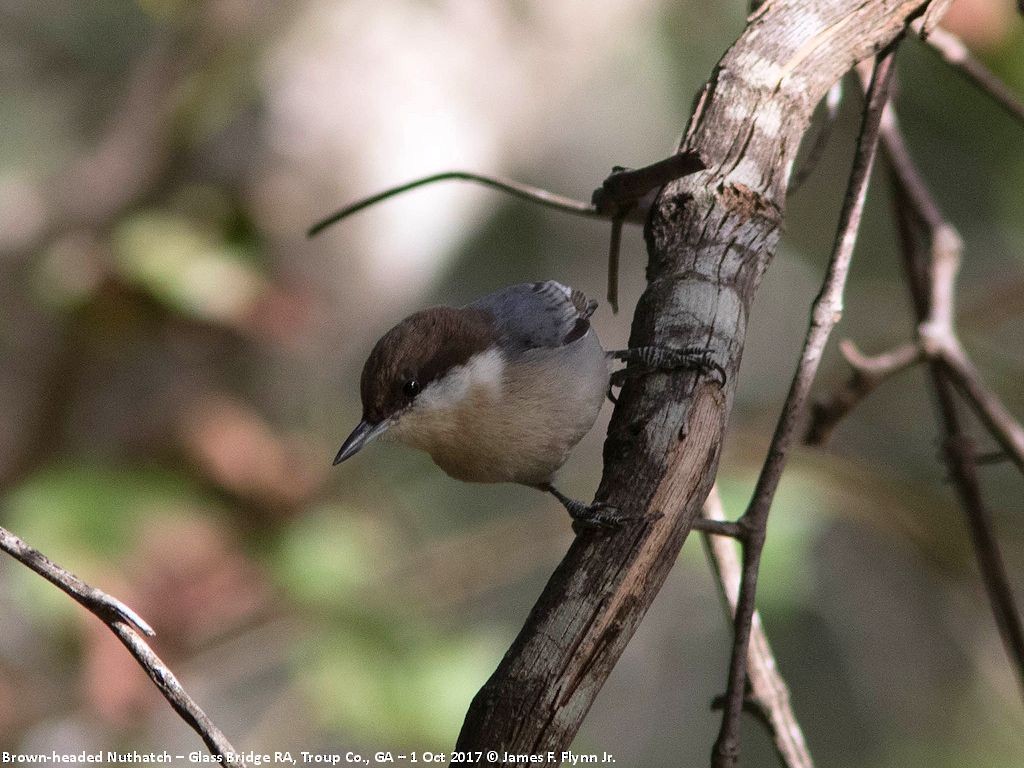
(710, 237)
(868, 374)
(123, 622)
(825, 313)
(768, 690)
(936, 331)
(518, 189)
(986, 404)
(931, 283)
(953, 51)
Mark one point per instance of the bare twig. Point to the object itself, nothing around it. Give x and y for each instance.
(832, 101)
(614, 199)
(107, 608)
(953, 51)
(990, 409)
(825, 314)
(625, 187)
(514, 188)
(932, 289)
(720, 527)
(614, 244)
(768, 690)
(937, 333)
(123, 622)
(618, 199)
(868, 374)
(627, 194)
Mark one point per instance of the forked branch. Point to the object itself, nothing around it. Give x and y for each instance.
(869, 373)
(768, 690)
(825, 313)
(931, 268)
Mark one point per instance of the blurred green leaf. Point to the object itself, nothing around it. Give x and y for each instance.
(86, 518)
(98, 509)
(416, 695)
(798, 514)
(327, 556)
(187, 267)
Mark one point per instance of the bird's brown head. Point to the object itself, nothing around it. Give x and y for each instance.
(418, 351)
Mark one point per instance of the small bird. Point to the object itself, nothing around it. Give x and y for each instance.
(502, 389)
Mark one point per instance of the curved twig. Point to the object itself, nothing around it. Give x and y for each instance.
(514, 188)
(123, 622)
(869, 372)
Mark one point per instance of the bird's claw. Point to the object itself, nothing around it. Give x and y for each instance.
(597, 515)
(656, 358)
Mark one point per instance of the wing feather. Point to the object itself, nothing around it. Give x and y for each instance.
(542, 314)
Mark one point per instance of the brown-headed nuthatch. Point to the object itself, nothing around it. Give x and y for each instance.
(500, 390)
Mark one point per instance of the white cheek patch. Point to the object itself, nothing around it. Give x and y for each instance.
(428, 422)
(481, 374)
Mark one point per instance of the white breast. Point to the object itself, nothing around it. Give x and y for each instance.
(498, 420)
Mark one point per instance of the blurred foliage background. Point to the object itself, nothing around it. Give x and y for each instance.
(180, 364)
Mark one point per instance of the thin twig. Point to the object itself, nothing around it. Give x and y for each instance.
(768, 690)
(625, 187)
(932, 290)
(719, 526)
(514, 188)
(990, 409)
(937, 333)
(868, 374)
(123, 622)
(832, 101)
(107, 608)
(618, 199)
(614, 246)
(627, 194)
(825, 314)
(953, 51)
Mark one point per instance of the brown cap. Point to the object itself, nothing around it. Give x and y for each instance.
(421, 348)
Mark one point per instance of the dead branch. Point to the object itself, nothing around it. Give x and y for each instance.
(124, 622)
(937, 333)
(953, 51)
(931, 278)
(768, 690)
(624, 196)
(518, 189)
(825, 313)
(868, 374)
(710, 237)
(832, 102)
(986, 404)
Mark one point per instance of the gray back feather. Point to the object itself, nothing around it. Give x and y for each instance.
(546, 314)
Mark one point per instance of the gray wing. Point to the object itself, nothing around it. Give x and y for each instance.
(546, 314)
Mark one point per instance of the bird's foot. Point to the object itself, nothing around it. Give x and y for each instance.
(595, 515)
(646, 359)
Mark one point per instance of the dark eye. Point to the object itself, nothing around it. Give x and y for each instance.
(411, 388)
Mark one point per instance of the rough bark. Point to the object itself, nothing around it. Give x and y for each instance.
(710, 238)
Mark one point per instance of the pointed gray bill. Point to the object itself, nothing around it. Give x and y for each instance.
(361, 435)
